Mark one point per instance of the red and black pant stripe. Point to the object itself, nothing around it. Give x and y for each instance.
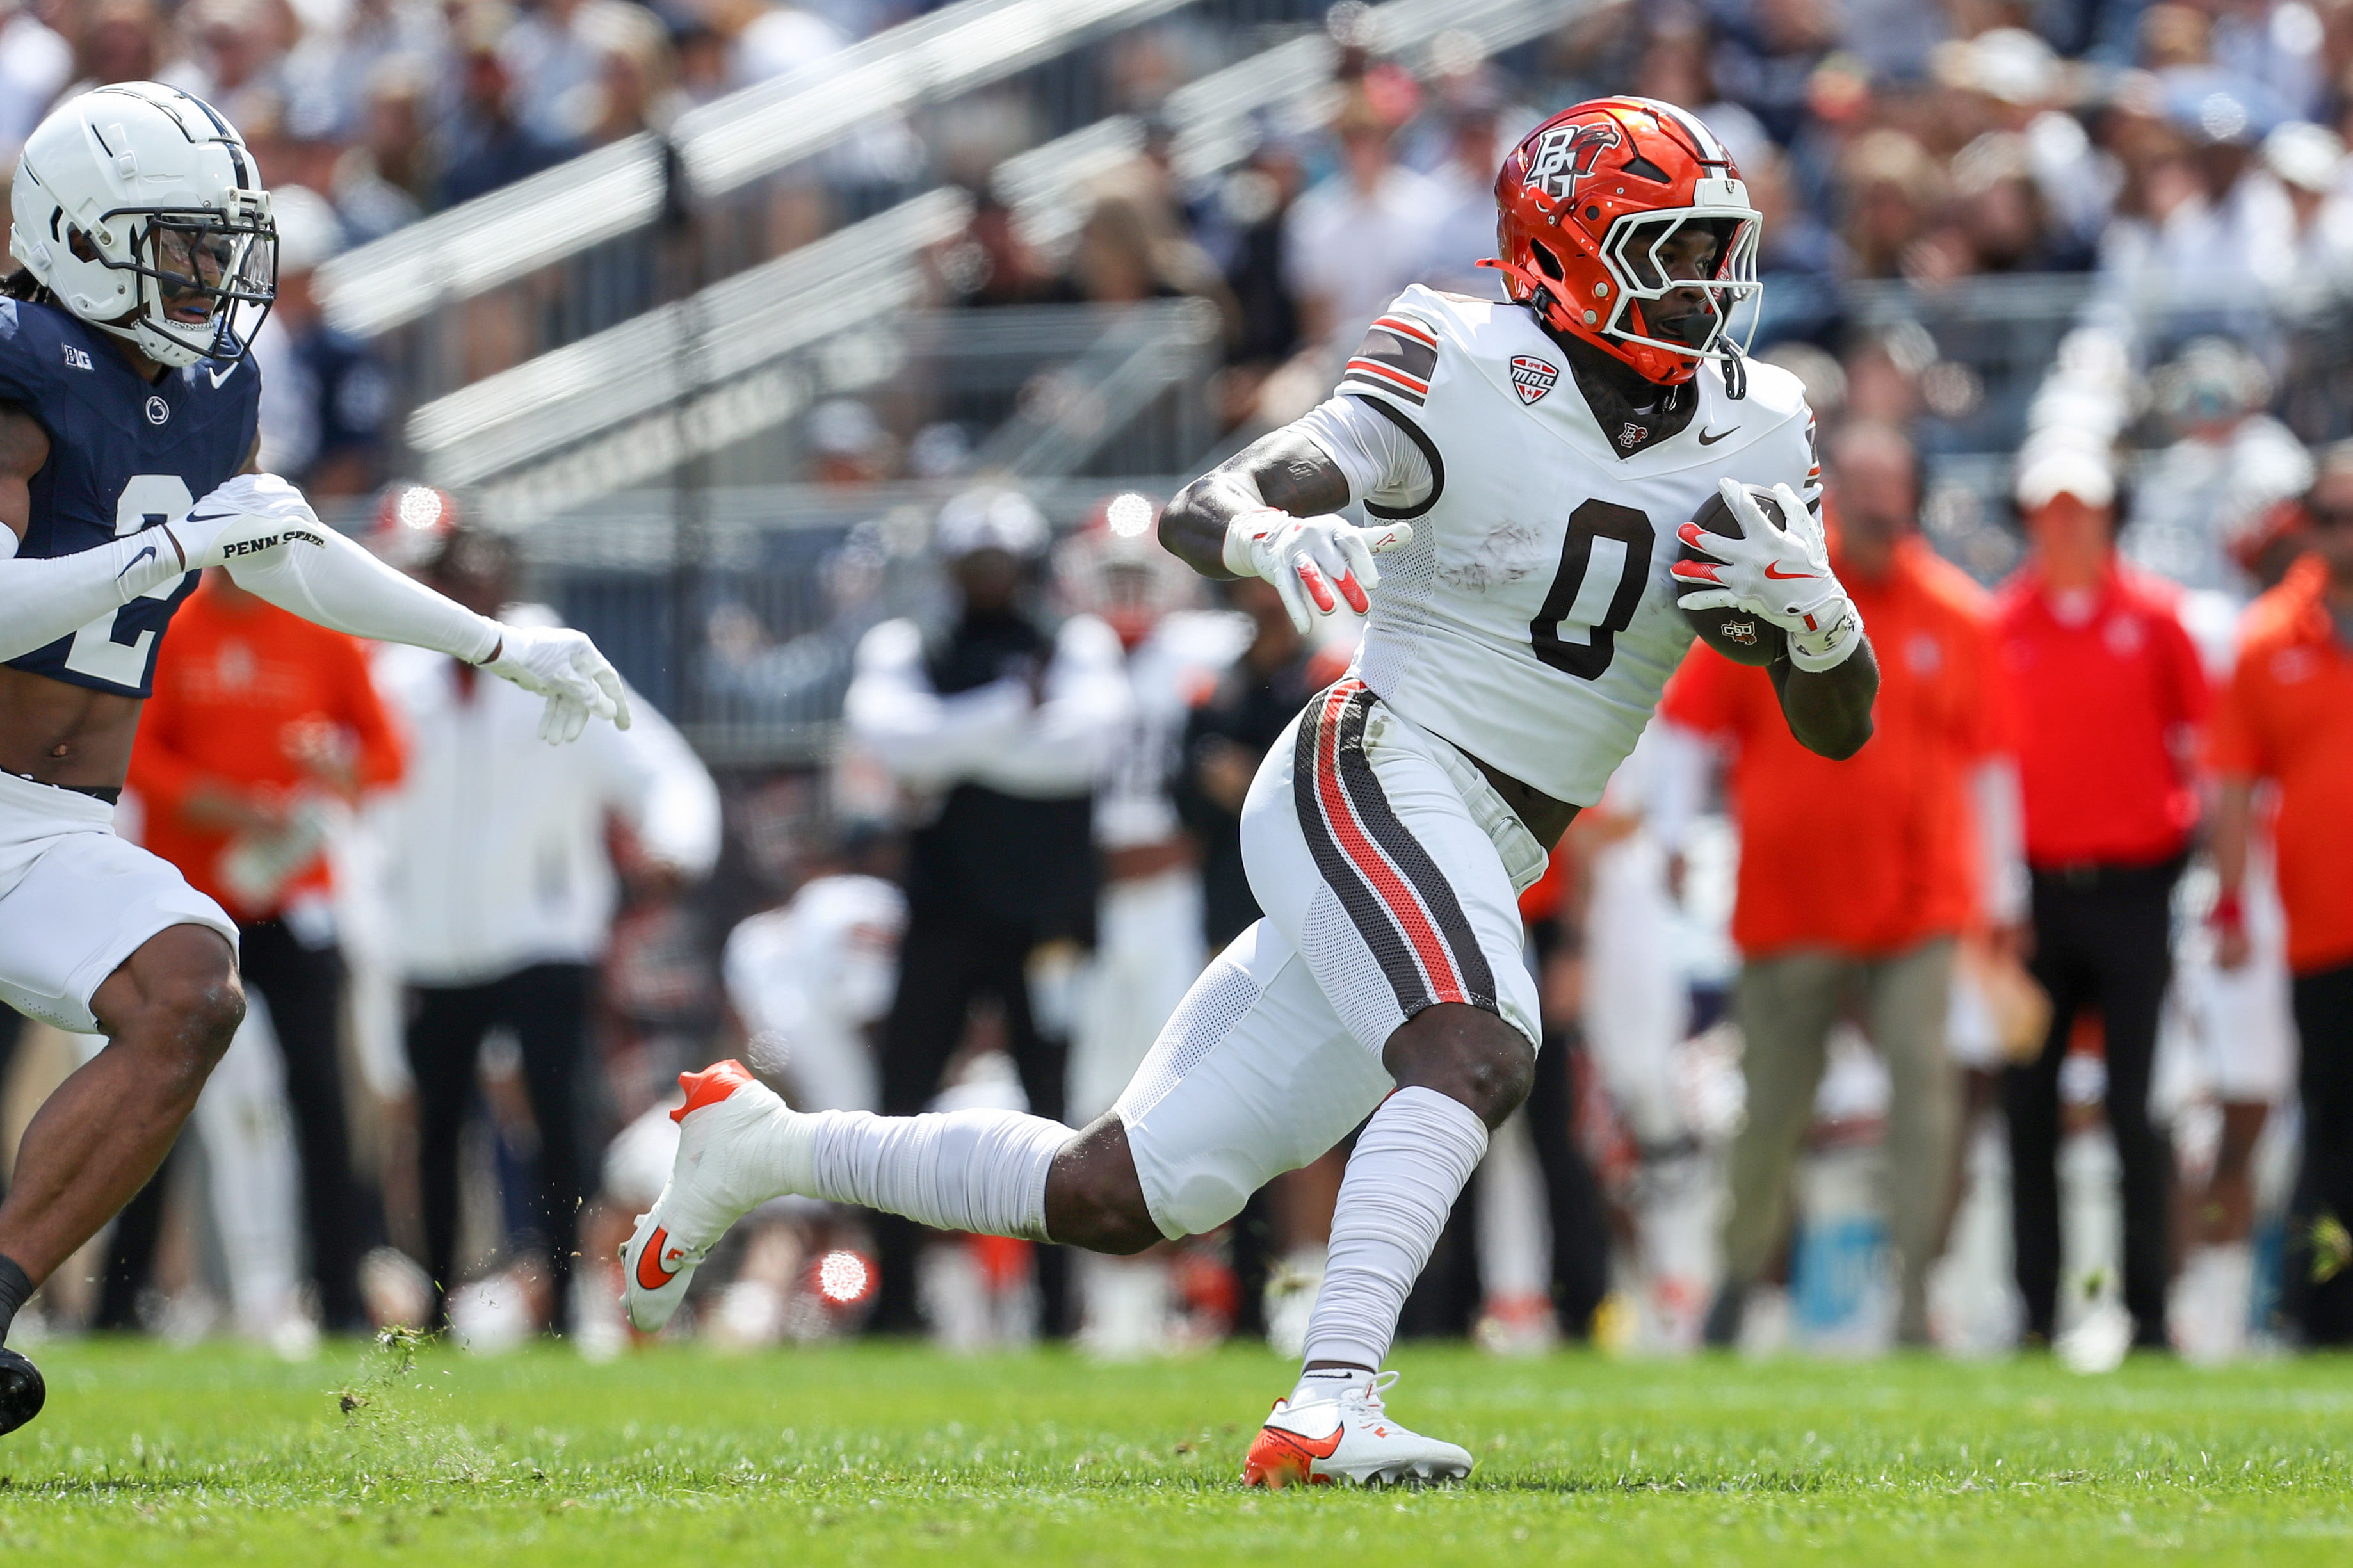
(1393, 892)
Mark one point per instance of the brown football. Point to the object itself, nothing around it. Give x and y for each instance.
(1738, 635)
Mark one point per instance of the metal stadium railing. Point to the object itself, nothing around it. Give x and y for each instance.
(481, 243)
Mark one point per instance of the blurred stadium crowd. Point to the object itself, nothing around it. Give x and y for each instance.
(1990, 1036)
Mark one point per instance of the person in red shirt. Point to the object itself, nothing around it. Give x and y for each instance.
(2286, 719)
(2110, 695)
(259, 723)
(1856, 878)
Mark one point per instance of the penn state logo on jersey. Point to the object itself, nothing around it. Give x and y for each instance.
(125, 456)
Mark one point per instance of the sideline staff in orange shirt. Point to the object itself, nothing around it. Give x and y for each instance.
(2286, 719)
(2109, 694)
(259, 721)
(1857, 876)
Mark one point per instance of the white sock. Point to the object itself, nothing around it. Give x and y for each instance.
(1408, 1167)
(977, 1171)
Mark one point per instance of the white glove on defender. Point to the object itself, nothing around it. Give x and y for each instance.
(563, 666)
(260, 528)
(1782, 574)
(1307, 557)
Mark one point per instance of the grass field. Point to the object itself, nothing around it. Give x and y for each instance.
(888, 1453)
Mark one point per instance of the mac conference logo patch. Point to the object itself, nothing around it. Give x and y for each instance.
(1531, 377)
(158, 411)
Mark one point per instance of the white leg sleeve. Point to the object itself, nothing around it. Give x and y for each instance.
(1410, 1165)
(977, 1171)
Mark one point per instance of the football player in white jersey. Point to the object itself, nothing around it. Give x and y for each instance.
(1530, 466)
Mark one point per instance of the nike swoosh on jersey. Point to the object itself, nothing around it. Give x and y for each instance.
(135, 560)
(1788, 576)
(1707, 440)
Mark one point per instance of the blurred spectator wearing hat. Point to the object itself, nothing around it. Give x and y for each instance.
(997, 725)
(2109, 695)
(263, 733)
(2284, 727)
(325, 400)
(501, 888)
(2228, 464)
(1857, 878)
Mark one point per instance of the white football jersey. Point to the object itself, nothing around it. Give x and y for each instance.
(1532, 621)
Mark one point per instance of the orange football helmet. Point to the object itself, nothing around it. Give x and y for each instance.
(1587, 206)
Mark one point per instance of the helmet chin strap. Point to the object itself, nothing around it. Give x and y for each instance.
(1735, 370)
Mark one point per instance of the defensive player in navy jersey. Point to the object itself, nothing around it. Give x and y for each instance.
(127, 463)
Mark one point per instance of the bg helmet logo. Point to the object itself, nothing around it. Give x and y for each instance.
(1566, 155)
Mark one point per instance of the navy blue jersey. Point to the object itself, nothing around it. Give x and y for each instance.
(123, 455)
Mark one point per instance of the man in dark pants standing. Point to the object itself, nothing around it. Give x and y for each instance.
(2109, 692)
(2286, 719)
(1000, 726)
(502, 892)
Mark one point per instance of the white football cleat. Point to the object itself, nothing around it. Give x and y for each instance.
(1350, 1438)
(720, 1176)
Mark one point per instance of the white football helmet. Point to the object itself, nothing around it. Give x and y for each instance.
(138, 206)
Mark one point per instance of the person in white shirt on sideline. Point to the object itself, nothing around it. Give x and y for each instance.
(1149, 945)
(500, 887)
(999, 727)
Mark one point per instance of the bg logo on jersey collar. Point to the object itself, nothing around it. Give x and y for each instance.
(1566, 155)
(1531, 377)
(158, 411)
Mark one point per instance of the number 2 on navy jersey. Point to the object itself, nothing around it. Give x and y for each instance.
(1605, 559)
(148, 500)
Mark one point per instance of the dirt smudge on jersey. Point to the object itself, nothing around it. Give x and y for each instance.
(1509, 552)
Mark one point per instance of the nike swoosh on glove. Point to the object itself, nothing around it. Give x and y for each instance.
(1306, 558)
(1781, 574)
(563, 666)
(246, 516)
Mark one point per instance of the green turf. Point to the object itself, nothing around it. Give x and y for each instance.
(883, 1455)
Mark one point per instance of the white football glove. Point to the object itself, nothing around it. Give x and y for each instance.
(563, 666)
(1306, 558)
(246, 516)
(1782, 574)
